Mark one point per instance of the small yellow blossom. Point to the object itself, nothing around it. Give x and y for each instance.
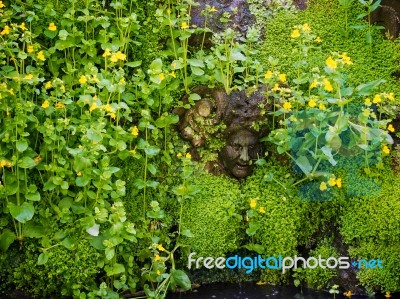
(60, 106)
(313, 84)
(30, 49)
(322, 106)
(133, 152)
(47, 85)
(287, 106)
(306, 27)
(6, 30)
(120, 55)
(135, 131)
(45, 104)
(348, 294)
(282, 77)
(52, 27)
(106, 52)
(332, 64)
(93, 107)
(113, 115)
(367, 102)
(373, 115)
(339, 183)
(113, 58)
(188, 156)
(387, 295)
(390, 96)
(385, 150)
(3, 163)
(312, 103)
(37, 159)
(323, 186)
(179, 155)
(82, 79)
(295, 33)
(318, 40)
(268, 75)
(40, 56)
(390, 128)
(261, 210)
(62, 88)
(168, 11)
(332, 182)
(1, 4)
(158, 272)
(345, 58)
(160, 247)
(184, 25)
(213, 9)
(253, 203)
(22, 27)
(161, 76)
(28, 77)
(95, 79)
(377, 99)
(172, 74)
(366, 112)
(157, 258)
(79, 173)
(327, 85)
(276, 87)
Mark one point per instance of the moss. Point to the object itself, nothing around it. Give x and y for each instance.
(212, 216)
(326, 19)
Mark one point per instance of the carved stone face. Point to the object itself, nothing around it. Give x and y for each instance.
(241, 147)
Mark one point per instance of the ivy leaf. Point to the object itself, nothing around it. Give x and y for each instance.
(114, 269)
(304, 164)
(26, 162)
(43, 258)
(7, 237)
(22, 213)
(22, 145)
(179, 278)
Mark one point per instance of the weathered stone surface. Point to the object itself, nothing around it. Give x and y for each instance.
(388, 16)
(238, 112)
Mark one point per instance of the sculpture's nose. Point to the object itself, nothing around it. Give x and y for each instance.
(244, 154)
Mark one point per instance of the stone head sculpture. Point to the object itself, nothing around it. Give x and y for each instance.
(240, 119)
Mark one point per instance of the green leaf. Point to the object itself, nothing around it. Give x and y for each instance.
(255, 247)
(31, 230)
(304, 164)
(156, 66)
(94, 136)
(33, 196)
(237, 55)
(179, 278)
(43, 258)
(82, 181)
(134, 63)
(197, 71)
(22, 145)
(26, 162)
(152, 169)
(7, 237)
(68, 243)
(109, 252)
(22, 213)
(196, 62)
(114, 269)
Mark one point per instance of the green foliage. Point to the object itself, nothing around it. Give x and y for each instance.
(319, 278)
(212, 216)
(370, 225)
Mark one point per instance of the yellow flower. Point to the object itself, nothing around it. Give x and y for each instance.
(82, 79)
(332, 182)
(188, 156)
(261, 210)
(377, 99)
(160, 247)
(385, 150)
(95, 79)
(282, 77)
(345, 58)
(390, 128)
(179, 155)
(79, 173)
(312, 103)
(45, 104)
(213, 9)
(60, 106)
(366, 112)
(62, 88)
(348, 294)
(339, 183)
(287, 106)
(23, 27)
(1, 4)
(332, 64)
(52, 27)
(387, 295)
(120, 55)
(253, 203)
(106, 52)
(173, 74)
(318, 40)
(327, 85)
(323, 186)
(47, 85)
(314, 84)
(162, 77)
(184, 25)
(306, 27)
(93, 107)
(373, 115)
(295, 33)
(168, 11)
(28, 77)
(367, 102)
(30, 49)
(108, 108)
(135, 131)
(3, 163)
(40, 56)
(114, 58)
(133, 152)
(268, 75)
(113, 115)
(390, 96)
(37, 159)
(6, 30)
(276, 87)
(157, 258)
(322, 106)
(158, 272)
